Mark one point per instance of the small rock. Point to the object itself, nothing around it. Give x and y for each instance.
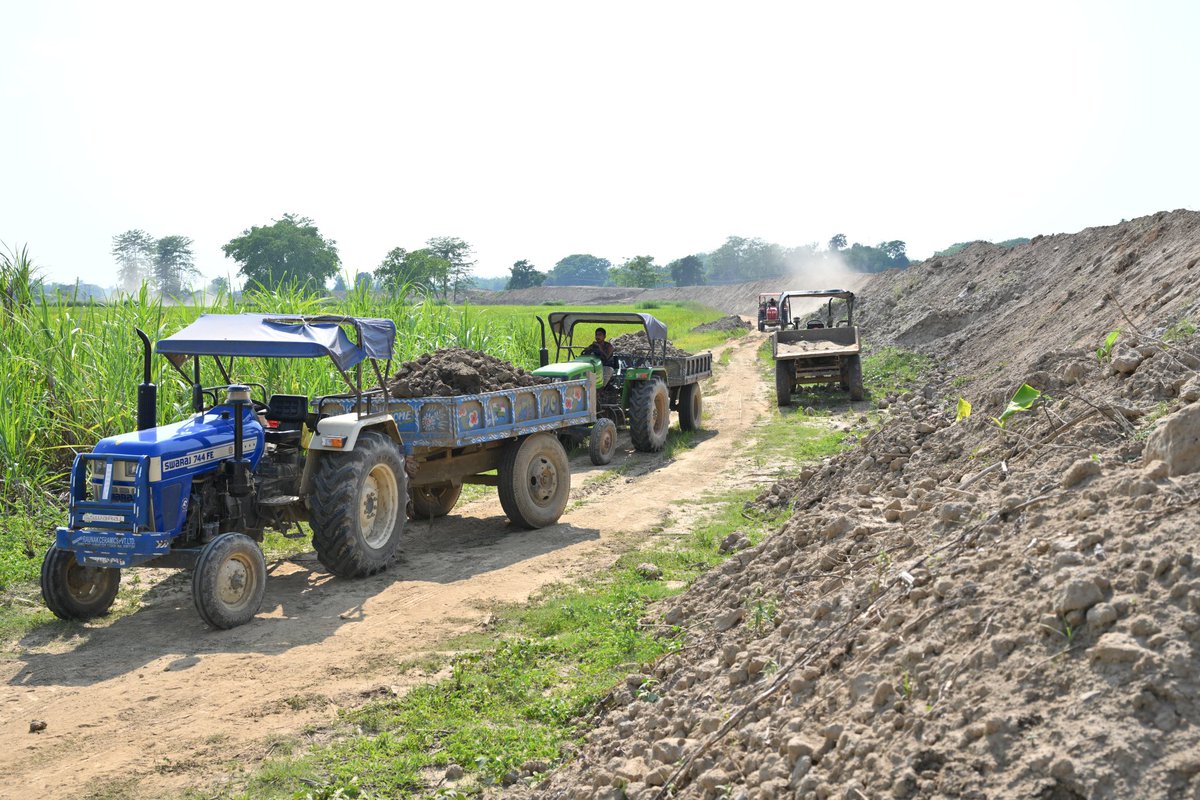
(1117, 648)
(1156, 470)
(650, 572)
(37, 726)
(1176, 442)
(666, 752)
(674, 616)
(1079, 593)
(1080, 471)
(727, 620)
(925, 427)
(953, 512)
(1101, 615)
(1127, 361)
(1190, 391)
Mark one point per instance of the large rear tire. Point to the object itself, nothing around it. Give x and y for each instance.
(229, 581)
(602, 444)
(649, 415)
(854, 377)
(784, 381)
(691, 407)
(358, 507)
(535, 480)
(430, 502)
(73, 592)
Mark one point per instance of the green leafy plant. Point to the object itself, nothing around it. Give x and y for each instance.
(1023, 400)
(1105, 350)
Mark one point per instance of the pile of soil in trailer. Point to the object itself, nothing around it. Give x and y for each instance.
(636, 344)
(456, 371)
(730, 323)
(955, 608)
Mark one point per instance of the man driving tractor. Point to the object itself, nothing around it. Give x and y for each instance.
(602, 349)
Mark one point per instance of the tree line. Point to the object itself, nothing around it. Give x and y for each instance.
(293, 250)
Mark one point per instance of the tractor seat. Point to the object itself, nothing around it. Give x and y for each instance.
(285, 413)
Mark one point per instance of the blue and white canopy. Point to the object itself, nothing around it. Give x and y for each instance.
(283, 336)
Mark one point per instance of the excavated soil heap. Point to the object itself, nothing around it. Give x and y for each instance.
(730, 323)
(455, 371)
(637, 344)
(955, 608)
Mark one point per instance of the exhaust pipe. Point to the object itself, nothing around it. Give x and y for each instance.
(543, 354)
(147, 394)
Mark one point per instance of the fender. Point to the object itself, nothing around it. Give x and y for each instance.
(339, 433)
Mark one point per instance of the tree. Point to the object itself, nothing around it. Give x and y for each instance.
(419, 271)
(687, 271)
(289, 249)
(581, 269)
(746, 259)
(524, 275)
(219, 285)
(363, 281)
(838, 242)
(174, 265)
(639, 271)
(134, 251)
(457, 253)
(339, 283)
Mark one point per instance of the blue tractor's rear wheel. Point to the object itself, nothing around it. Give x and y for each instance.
(75, 592)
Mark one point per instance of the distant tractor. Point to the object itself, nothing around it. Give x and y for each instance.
(636, 390)
(772, 312)
(201, 492)
(826, 350)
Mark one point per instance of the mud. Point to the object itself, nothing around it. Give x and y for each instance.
(637, 344)
(731, 322)
(455, 371)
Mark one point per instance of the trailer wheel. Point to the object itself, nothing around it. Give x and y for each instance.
(429, 502)
(602, 444)
(358, 507)
(229, 581)
(854, 377)
(691, 406)
(649, 415)
(75, 592)
(535, 480)
(783, 383)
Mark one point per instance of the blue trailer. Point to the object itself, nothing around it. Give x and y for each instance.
(200, 493)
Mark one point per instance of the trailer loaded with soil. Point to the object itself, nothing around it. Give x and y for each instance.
(826, 350)
(643, 380)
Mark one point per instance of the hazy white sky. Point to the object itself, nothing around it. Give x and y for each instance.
(536, 130)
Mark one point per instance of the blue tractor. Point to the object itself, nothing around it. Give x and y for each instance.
(200, 493)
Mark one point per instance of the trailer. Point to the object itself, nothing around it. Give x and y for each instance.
(200, 493)
(826, 350)
(637, 391)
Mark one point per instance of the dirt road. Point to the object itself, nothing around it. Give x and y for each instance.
(155, 702)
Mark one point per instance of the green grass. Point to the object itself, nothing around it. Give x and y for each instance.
(527, 689)
(789, 437)
(894, 369)
(1183, 329)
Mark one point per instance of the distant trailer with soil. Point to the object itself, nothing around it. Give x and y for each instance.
(638, 387)
(826, 350)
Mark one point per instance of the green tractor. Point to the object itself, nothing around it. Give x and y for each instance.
(637, 390)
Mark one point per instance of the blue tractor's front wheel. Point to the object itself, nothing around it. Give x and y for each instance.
(75, 592)
(229, 581)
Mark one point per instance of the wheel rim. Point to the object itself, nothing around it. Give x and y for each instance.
(608, 439)
(661, 414)
(377, 506)
(432, 495)
(85, 584)
(236, 581)
(542, 478)
(697, 406)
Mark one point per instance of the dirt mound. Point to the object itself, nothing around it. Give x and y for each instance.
(956, 608)
(456, 370)
(730, 323)
(636, 343)
(992, 311)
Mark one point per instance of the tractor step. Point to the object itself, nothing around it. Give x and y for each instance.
(282, 500)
